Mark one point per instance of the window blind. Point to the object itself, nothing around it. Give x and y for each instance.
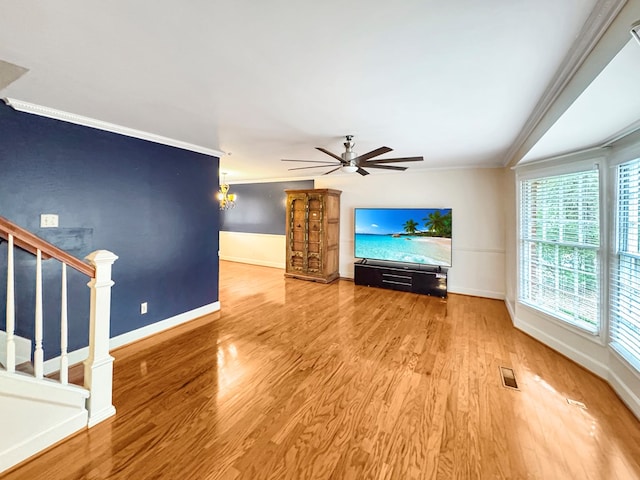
(559, 247)
(625, 267)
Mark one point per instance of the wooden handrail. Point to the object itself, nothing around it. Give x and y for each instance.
(31, 243)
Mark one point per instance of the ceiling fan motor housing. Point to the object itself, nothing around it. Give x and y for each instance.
(349, 154)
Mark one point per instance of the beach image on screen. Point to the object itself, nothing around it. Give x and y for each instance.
(413, 235)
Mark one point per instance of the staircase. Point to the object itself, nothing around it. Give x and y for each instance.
(38, 411)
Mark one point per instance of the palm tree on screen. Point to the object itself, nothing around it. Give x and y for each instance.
(438, 223)
(410, 226)
(434, 222)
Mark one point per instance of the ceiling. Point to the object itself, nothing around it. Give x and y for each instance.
(455, 82)
(607, 109)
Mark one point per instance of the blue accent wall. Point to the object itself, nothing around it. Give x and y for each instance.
(260, 207)
(150, 204)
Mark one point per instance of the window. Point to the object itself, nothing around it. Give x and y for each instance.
(625, 266)
(559, 247)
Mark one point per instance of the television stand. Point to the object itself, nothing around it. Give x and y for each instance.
(423, 279)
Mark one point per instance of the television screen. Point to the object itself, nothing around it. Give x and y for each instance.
(413, 235)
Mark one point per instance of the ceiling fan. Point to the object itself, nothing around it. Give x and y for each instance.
(350, 162)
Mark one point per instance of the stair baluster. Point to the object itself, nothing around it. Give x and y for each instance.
(11, 311)
(64, 358)
(38, 354)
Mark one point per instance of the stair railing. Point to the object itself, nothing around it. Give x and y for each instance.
(98, 368)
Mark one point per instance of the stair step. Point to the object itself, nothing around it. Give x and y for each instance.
(76, 372)
(25, 367)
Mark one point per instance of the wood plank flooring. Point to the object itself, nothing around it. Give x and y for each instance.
(300, 380)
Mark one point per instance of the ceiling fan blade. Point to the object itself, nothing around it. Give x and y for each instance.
(394, 160)
(315, 166)
(362, 171)
(324, 150)
(331, 171)
(309, 161)
(372, 153)
(386, 167)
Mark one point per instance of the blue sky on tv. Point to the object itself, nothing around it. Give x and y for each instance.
(384, 221)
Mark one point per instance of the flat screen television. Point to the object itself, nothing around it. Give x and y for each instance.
(408, 235)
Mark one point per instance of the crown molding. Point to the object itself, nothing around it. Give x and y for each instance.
(625, 132)
(601, 17)
(39, 110)
(590, 154)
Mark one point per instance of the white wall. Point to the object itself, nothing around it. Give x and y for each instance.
(253, 248)
(474, 195)
(509, 202)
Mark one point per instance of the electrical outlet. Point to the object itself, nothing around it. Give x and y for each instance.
(48, 220)
(143, 308)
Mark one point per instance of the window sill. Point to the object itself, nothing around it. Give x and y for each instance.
(595, 337)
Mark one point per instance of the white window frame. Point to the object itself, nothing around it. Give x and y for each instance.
(628, 356)
(583, 161)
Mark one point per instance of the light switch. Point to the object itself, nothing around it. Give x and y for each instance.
(48, 220)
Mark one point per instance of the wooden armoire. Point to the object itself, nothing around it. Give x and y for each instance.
(313, 234)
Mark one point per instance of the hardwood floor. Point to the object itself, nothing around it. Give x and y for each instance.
(300, 380)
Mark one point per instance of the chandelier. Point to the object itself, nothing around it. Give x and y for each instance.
(227, 200)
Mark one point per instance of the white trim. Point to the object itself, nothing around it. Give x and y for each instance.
(77, 356)
(626, 150)
(565, 349)
(23, 348)
(252, 234)
(575, 162)
(499, 251)
(31, 388)
(476, 292)
(595, 337)
(568, 157)
(101, 416)
(253, 261)
(626, 394)
(34, 109)
(511, 309)
(625, 132)
(248, 181)
(162, 325)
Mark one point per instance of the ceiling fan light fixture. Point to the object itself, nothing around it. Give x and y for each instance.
(635, 31)
(349, 168)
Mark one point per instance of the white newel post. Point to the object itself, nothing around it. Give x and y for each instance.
(98, 368)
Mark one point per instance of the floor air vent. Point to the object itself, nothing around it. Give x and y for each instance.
(508, 377)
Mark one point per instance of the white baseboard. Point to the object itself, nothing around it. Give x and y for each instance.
(511, 309)
(627, 395)
(77, 356)
(253, 261)
(23, 348)
(476, 292)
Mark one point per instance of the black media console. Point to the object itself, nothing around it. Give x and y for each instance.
(427, 280)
